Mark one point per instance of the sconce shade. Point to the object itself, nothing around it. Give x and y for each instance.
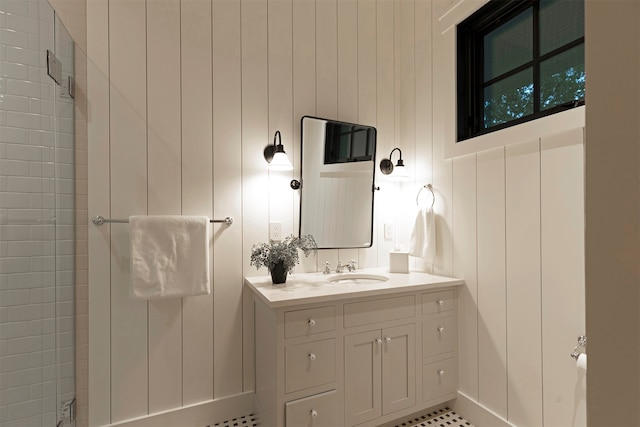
(400, 172)
(280, 162)
(276, 156)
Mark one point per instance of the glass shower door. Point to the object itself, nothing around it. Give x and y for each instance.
(36, 219)
(65, 227)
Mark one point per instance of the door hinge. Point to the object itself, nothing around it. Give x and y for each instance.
(54, 67)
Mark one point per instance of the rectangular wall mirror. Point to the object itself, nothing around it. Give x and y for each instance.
(338, 173)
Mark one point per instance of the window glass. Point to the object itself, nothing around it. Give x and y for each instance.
(518, 60)
(509, 45)
(562, 78)
(561, 22)
(509, 99)
(359, 147)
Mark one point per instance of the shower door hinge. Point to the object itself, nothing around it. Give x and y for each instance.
(54, 67)
(67, 88)
(72, 87)
(68, 412)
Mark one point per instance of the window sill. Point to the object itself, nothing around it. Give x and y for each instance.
(528, 131)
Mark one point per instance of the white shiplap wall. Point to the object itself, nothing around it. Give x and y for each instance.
(248, 68)
(184, 95)
(513, 228)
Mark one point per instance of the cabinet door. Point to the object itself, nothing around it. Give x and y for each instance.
(362, 371)
(398, 368)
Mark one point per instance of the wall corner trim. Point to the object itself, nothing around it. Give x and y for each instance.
(199, 414)
(478, 414)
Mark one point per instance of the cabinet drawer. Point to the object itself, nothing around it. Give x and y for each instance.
(439, 379)
(314, 411)
(380, 310)
(439, 335)
(438, 302)
(299, 323)
(309, 364)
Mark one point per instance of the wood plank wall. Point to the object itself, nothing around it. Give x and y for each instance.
(518, 239)
(184, 95)
(512, 226)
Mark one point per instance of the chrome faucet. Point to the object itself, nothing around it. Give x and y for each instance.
(351, 267)
(326, 270)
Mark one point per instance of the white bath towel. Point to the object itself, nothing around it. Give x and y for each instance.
(169, 256)
(423, 236)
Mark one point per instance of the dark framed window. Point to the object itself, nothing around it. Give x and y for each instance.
(519, 60)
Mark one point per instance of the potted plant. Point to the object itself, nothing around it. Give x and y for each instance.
(280, 257)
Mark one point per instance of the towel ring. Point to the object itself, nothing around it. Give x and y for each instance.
(433, 195)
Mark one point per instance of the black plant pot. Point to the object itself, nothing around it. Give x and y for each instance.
(278, 273)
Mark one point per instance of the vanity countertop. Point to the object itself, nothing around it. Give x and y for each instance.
(305, 288)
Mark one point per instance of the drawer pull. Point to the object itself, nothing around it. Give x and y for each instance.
(440, 302)
(441, 372)
(314, 413)
(312, 356)
(387, 339)
(440, 329)
(378, 341)
(312, 322)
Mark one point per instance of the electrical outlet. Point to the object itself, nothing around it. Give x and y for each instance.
(388, 231)
(275, 231)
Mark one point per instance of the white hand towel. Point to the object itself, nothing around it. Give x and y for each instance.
(423, 236)
(169, 256)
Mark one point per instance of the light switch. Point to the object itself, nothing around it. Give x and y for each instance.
(388, 231)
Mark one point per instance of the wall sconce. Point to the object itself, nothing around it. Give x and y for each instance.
(399, 171)
(276, 156)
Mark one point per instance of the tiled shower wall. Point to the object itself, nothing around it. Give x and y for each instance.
(36, 218)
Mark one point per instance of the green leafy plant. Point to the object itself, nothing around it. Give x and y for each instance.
(270, 254)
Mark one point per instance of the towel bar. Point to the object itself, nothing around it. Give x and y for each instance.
(99, 220)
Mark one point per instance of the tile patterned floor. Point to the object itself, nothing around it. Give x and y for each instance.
(441, 418)
(244, 421)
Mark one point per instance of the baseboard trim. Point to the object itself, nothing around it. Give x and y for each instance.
(197, 415)
(477, 414)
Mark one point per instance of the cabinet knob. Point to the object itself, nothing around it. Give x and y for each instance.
(312, 322)
(440, 302)
(378, 341)
(314, 413)
(440, 329)
(387, 339)
(312, 356)
(441, 372)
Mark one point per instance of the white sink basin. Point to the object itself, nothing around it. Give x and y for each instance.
(357, 278)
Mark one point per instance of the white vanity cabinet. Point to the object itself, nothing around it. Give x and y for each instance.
(373, 359)
(345, 359)
(380, 363)
(439, 344)
(297, 365)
